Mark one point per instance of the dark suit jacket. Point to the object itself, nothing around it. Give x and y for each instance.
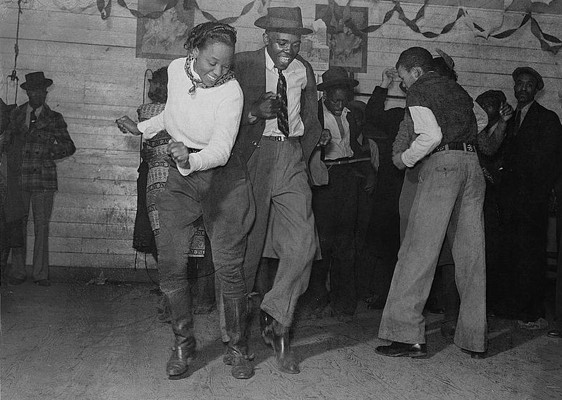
(532, 159)
(250, 72)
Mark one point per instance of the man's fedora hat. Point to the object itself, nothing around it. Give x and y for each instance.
(528, 70)
(283, 19)
(36, 80)
(336, 76)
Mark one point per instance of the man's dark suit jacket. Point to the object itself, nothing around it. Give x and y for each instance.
(250, 72)
(532, 158)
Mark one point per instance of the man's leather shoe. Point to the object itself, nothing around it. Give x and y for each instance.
(15, 281)
(240, 361)
(43, 282)
(555, 333)
(399, 349)
(281, 346)
(478, 355)
(266, 323)
(283, 355)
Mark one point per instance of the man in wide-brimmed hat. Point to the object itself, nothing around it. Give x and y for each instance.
(531, 165)
(278, 132)
(335, 205)
(36, 136)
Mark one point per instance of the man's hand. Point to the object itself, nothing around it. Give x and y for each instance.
(127, 125)
(179, 153)
(388, 75)
(506, 112)
(398, 163)
(325, 138)
(266, 107)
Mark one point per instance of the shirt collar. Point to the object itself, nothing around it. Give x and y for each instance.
(526, 108)
(38, 110)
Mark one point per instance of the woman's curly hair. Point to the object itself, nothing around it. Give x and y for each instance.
(210, 32)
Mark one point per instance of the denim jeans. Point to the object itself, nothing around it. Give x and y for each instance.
(448, 202)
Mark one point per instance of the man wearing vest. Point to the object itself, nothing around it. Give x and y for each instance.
(335, 205)
(448, 202)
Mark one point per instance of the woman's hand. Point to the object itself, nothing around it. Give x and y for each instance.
(179, 153)
(127, 125)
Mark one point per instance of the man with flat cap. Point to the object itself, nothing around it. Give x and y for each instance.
(36, 137)
(335, 205)
(531, 164)
(278, 132)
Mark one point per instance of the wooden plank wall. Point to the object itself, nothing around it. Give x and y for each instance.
(97, 79)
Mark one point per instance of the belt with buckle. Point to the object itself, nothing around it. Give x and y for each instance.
(456, 146)
(344, 161)
(282, 138)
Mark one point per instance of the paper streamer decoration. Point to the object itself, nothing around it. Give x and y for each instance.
(104, 6)
(548, 42)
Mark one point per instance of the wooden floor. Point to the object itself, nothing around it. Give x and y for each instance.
(82, 342)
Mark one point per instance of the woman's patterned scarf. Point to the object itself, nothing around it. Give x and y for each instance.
(197, 83)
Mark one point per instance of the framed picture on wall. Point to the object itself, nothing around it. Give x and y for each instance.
(348, 45)
(162, 34)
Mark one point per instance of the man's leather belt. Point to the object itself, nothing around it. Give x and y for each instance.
(456, 146)
(343, 161)
(282, 138)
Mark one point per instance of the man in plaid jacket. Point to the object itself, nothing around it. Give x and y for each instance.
(35, 137)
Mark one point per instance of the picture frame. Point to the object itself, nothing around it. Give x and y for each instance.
(348, 45)
(162, 34)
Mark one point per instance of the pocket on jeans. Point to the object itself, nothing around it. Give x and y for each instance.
(441, 172)
(447, 169)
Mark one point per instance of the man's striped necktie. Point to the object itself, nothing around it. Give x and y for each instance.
(283, 114)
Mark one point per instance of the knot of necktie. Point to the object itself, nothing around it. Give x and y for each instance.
(33, 116)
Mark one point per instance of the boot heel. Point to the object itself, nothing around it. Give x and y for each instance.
(183, 375)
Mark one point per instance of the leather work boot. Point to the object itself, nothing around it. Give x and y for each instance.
(179, 302)
(236, 321)
(277, 336)
(183, 350)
